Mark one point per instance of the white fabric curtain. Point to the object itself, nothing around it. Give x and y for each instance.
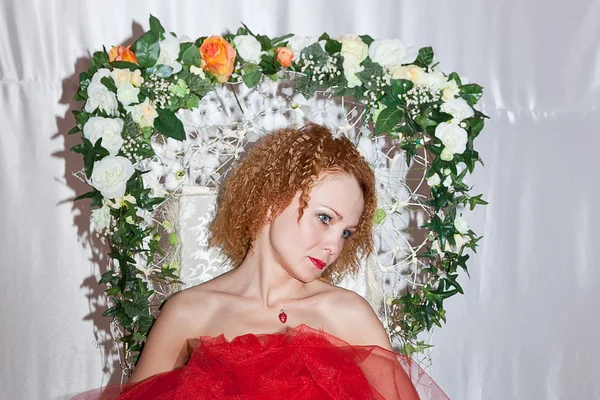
(526, 327)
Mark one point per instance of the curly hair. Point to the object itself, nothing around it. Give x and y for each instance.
(270, 175)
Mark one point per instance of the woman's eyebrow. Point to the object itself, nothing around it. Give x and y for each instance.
(337, 214)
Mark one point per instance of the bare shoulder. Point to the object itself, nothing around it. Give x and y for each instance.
(179, 322)
(353, 319)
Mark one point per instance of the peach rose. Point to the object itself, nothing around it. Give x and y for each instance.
(122, 53)
(218, 57)
(284, 55)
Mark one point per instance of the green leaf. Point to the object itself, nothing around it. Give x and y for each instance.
(400, 87)
(74, 130)
(388, 119)
(473, 201)
(265, 42)
(268, 64)
(371, 71)
(275, 42)
(367, 39)
(109, 83)
(333, 46)
(125, 65)
(454, 77)
(147, 49)
(169, 125)
(155, 25)
(318, 54)
(100, 60)
(425, 57)
(191, 56)
(251, 75)
(87, 195)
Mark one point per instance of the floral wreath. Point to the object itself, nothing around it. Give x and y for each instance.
(132, 98)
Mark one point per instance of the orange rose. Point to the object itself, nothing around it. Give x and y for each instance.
(218, 57)
(284, 56)
(122, 53)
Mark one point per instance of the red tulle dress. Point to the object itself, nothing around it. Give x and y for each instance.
(300, 363)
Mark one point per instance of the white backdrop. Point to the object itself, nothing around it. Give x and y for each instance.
(528, 325)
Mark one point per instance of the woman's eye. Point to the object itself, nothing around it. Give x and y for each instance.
(324, 218)
(346, 234)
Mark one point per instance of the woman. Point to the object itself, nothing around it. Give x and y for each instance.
(293, 217)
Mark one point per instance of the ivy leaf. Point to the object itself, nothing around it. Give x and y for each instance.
(169, 125)
(387, 120)
(191, 56)
(251, 75)
(147, 49)
(155, 25)
(473, 201)
(425, 57)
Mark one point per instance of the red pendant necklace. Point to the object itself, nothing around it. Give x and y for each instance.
(282, 316)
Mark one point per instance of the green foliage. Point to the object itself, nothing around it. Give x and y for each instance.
(147, 49)
(169, 125)
(407, 119)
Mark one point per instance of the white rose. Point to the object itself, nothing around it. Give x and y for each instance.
(388, 52)
(351, 67)
(447, 154)
(352, 44)
(248, 48)
(458, 108)
(434, 180)
(461, 225)
(101, 218)
(452, 136)
(435, 80)
(107, 129)
(121, 77)
(136, 78)
(413, 73)
(298, 43)
(169, 51)
(128, 94)
(110, 176)
(460, 167)
(144, 113)
(99, 97)
(101, 73)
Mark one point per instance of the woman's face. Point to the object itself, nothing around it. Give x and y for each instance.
(306, 247)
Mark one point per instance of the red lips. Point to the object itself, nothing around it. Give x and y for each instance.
(318, 263)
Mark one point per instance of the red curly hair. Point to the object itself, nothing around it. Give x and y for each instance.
(269, 177)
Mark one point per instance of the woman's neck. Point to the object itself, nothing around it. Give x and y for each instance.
(260, 276)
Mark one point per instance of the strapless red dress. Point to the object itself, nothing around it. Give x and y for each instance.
(300, 363)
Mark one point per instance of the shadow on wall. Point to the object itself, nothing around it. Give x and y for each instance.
(99, 261)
